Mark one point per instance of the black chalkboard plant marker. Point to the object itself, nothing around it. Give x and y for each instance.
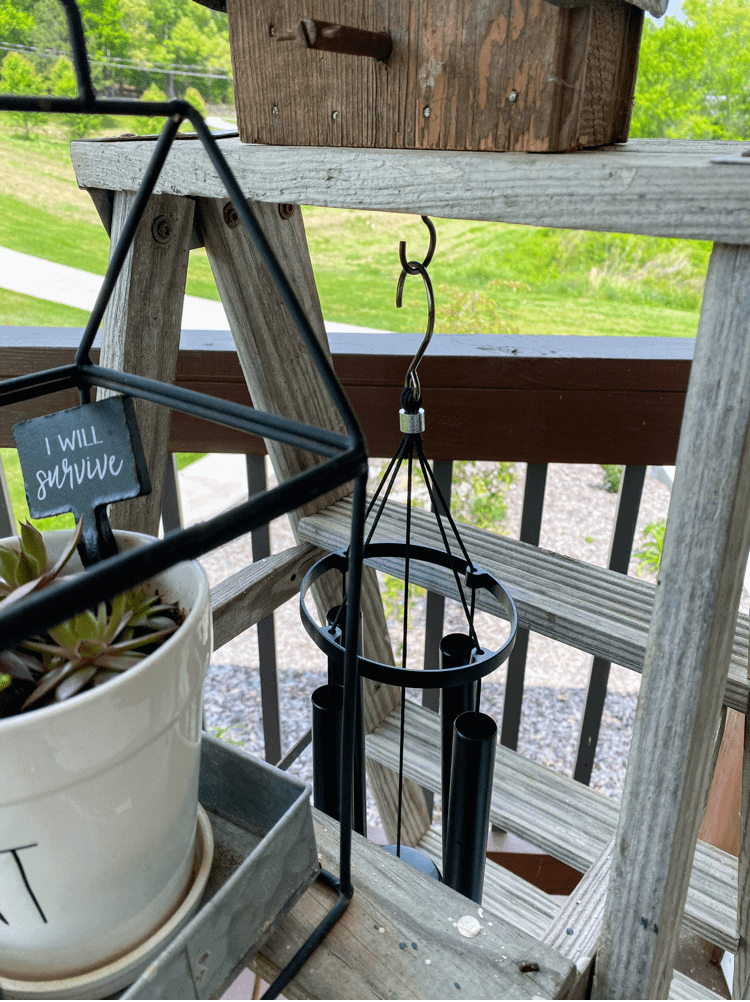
(81, 460)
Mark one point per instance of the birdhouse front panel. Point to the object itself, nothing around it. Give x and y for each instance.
(434, 74)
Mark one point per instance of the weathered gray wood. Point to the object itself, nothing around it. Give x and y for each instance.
(688, 650)
(566, 819)
(627, 189)
(281, 379)
(142, 333)
(575, 929)
(255, 591)
(171, 502)
(591, 608)
(683, 987)
(416, 916)
(741, 986)
(504, 893)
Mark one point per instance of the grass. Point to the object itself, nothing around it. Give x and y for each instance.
(488, 277)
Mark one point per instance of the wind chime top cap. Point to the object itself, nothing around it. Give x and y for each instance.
(411, 424)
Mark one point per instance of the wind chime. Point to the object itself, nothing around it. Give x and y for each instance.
(469, 737)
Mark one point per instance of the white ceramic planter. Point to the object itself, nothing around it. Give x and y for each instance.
(98, 801)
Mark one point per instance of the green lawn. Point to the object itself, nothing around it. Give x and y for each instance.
(488, 277)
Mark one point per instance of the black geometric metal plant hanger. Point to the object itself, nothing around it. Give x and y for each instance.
(468, 746)
(345, 455)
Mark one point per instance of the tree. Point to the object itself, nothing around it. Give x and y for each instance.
(694, 77)
(15, 24)
(18, 76)
(144, 125)
(62, 83)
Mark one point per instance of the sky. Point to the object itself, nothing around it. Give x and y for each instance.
(673, 10)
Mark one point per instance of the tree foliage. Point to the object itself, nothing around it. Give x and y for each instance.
(694, 77)
(18, 76)
(133, 44)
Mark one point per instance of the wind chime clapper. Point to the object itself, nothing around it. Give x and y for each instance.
(469, 736)
(344, 455)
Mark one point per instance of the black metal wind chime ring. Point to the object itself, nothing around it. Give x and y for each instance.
(344, 455)
(468, 736)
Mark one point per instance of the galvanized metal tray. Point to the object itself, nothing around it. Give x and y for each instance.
(265, 857)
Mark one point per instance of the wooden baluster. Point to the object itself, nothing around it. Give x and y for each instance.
(7, 519)
(142, 331)
(282, 380)
(688, 649)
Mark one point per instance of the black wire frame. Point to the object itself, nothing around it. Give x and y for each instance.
(345, 455)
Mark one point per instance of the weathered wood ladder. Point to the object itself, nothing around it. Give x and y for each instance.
(643, 872)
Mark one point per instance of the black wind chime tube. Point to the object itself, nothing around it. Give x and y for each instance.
(327, 717)
(327, 723)
(467, 816)
(456, 650)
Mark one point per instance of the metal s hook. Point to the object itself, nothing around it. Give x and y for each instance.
(409, 266)
(415, 268)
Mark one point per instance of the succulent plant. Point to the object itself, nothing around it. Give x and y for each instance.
(84, 651)
(25, 568)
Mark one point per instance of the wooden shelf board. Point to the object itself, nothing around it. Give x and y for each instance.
(564, 818)
(591, 608)
(629, 188)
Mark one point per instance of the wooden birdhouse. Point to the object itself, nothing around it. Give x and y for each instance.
(534, 75)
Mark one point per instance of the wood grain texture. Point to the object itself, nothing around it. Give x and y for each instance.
(558, 399)
(594, 609)
(683, 987)
(622, 189)
(741, 986)
(575, 929)
(566, 819)
(596, 74)
(282, 380)
(142, 333)
(244, 599)
(688, 650)
(462, 75)
(358, 961)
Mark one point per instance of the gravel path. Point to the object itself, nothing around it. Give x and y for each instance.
(577, 521)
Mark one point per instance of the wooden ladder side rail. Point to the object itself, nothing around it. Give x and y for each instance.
(398, 939)
(142, 332)
(591, 608)
(282, 379)
(741, 986)
(570, 821)
(575, 932)
(688, 650)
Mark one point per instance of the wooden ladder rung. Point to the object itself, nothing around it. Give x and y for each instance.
(683, 987)
(566, 819)
(590, 608)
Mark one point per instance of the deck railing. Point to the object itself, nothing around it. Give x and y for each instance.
(537, 400)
